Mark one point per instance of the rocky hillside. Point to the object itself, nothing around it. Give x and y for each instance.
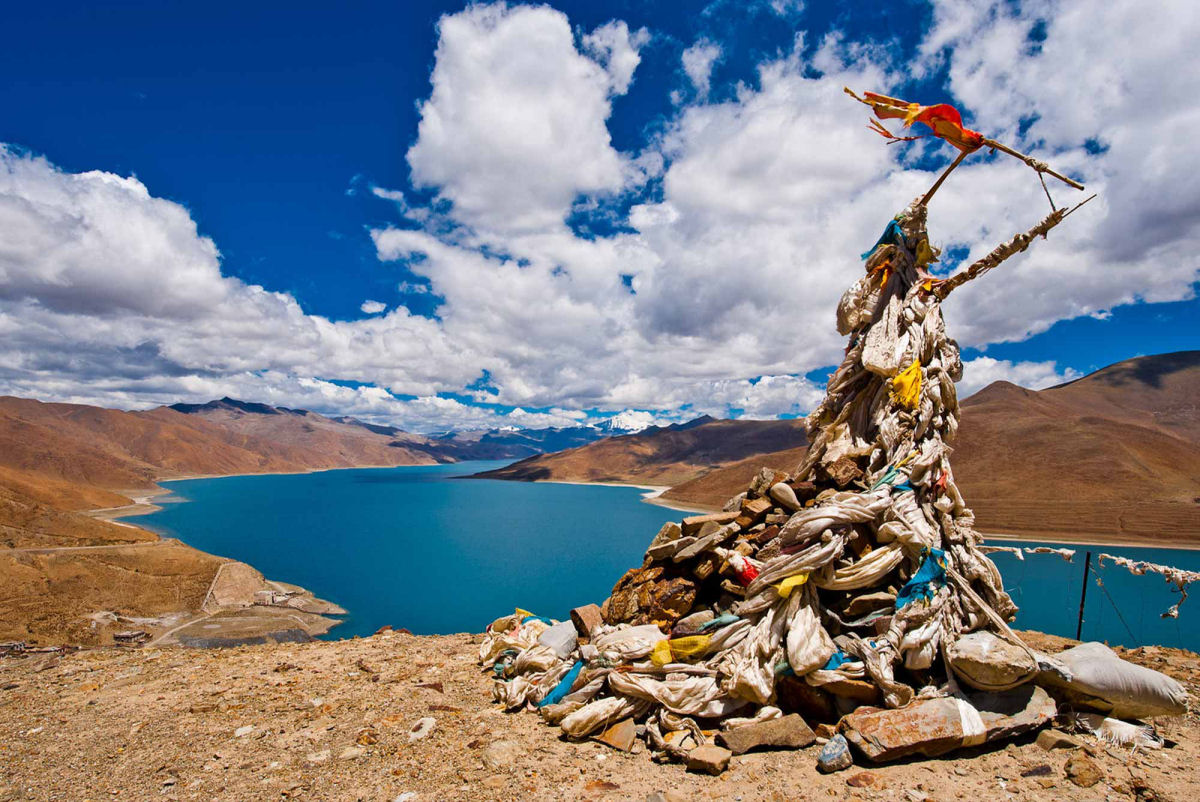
(659, 456)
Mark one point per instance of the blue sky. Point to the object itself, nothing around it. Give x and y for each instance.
(615, 238)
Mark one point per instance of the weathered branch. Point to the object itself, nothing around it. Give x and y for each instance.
(945, 174)
(1040, 166)
(1003, 251)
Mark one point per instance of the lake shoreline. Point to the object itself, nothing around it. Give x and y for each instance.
(1093, 543)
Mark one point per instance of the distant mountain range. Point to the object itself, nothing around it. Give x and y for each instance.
(1111, 456)
(77, 457)
(659, 455)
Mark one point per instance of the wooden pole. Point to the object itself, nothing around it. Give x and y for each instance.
(1003, 251)
(945, 173)
(1041, 167)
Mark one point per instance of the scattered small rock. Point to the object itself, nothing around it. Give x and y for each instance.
(863, 779)
(422, 728)
(242, 732)
(501, 755)
(1083, 771)
(835, 755)
(1043, 770)
(352, 753)
(601, 785)
(708, 759)
(317, 758)
(1056, 739)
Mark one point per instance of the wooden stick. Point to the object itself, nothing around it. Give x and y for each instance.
(961, 155)
(1003, 251)
(1041, 167)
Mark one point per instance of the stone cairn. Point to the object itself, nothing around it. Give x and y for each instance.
(850, 595)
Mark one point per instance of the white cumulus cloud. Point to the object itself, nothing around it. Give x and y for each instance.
(698, 61)
(982, 371)
(514, 128)
(715, 294)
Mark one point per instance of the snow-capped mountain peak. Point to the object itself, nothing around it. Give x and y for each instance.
(630, 421)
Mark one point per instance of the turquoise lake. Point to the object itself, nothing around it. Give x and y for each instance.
(417, 547)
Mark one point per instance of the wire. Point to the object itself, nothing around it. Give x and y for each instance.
(1100, 584)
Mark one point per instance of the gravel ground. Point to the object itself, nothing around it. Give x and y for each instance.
(332, 721)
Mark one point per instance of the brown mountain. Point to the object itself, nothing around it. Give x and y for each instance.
(75, 456)
(58, 565)
(658, 456)
(1113, 456)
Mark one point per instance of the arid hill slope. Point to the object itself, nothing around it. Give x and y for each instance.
(657, 456)
(1112, 456)
(59, 565)
(64, 453)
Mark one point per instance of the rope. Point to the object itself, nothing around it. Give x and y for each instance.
(1100, 584)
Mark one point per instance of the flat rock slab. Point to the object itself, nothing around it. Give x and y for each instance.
(786, 732)
(692, 524)
(936, 726)
(620, 735)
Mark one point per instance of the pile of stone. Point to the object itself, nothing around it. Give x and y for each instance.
(848, 599)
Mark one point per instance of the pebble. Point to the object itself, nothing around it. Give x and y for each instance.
(242, 732)
(709, 759)
(835, 755)
(352, 753)
(501, 755)
(861, 780)
(422, 728)
(1083, 771)
(316, 758)
(1053, 739)
(407, 796)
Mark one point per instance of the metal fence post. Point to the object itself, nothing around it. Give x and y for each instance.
(1087, 567)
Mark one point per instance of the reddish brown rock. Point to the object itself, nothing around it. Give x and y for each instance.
(619, 736)
(842, 471)
(1083, 771)
(709, 759)
(765, 536)
(936, 726)
(787, 732)
(805, 491)
(672, 599)
(586, 619)
(753, 510)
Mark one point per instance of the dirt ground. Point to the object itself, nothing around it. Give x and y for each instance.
(332, 721)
